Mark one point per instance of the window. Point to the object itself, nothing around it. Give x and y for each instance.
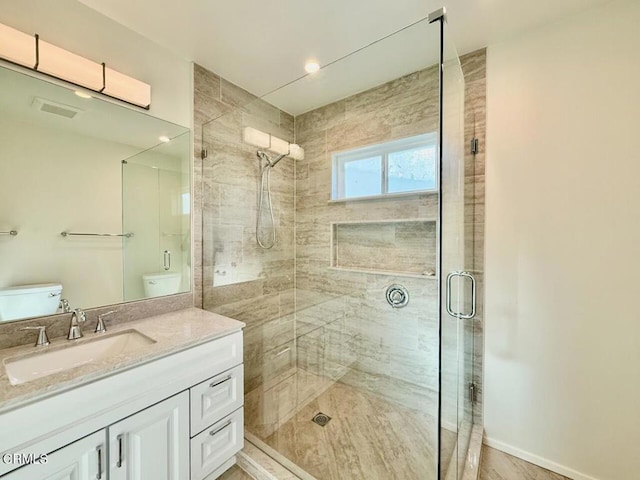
(399, 166)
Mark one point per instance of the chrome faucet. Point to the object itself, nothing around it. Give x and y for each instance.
(64, 306)
(77, 316)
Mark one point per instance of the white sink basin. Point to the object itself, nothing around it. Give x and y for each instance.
(40, 364)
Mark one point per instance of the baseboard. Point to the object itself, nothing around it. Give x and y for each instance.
(536, 460)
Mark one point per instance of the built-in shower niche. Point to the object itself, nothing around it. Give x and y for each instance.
(397, 247)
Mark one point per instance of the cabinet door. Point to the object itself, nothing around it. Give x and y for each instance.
(81, 460)
(152, 444)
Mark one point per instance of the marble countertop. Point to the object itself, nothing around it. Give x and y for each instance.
(172, 332)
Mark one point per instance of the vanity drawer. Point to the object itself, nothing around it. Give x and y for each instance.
(211, 448)
(215, 398)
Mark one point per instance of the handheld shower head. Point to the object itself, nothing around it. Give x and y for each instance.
(278, 158)
(270, 162)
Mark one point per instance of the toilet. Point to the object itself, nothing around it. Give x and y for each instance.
(25, 301)
(162, 283)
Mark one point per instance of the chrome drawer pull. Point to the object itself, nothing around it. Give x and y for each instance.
(215, 384)
(120, 439)
(99, 450)
(215, 432)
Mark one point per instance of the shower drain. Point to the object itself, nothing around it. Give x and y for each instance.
(321, 419)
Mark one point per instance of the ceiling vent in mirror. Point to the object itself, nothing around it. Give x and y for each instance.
(49, 106)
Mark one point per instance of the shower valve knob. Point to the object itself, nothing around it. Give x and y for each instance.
(397, 296)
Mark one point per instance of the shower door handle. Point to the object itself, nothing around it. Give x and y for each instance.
(167, 260)
(464, 316)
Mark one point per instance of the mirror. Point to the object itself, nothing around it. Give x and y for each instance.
(94, 206)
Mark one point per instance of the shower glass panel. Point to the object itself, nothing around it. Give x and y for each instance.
(456, 353)
(338, 383)
(155, 197)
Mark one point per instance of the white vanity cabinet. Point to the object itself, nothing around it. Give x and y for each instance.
(217, 422)
(153, 443)
(84, 459)
(179, 417)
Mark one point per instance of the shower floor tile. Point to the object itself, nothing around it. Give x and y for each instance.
(368, 437)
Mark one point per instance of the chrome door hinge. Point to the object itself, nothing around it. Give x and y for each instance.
(473, 392)
(474, 146)
(204, 153)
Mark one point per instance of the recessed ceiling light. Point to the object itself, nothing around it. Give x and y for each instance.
(82, 94)
(312, 66)
(164, 139)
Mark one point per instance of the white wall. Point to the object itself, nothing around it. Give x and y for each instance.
(562, 377)
(81, 30)
(50, 181)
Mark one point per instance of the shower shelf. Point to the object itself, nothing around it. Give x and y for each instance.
(399, 247)
(389, 273)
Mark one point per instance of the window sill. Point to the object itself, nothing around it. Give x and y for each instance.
(388, 196)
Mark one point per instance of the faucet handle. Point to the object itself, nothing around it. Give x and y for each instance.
(100, 327)
(43, 340)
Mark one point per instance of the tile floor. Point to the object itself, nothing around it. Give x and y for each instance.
(235, 473)
(367, 438)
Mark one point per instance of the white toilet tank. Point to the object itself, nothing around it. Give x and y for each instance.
(24, 301)
(163, 283)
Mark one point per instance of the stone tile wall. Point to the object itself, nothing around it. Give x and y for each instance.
(234, 276)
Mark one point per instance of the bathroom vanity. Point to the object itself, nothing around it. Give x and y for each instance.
(169, 407)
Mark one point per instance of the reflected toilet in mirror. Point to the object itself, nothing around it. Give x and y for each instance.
(160, 284)
(26, 301)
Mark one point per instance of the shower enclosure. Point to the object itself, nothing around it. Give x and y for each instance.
(358, 345)
(155, 198)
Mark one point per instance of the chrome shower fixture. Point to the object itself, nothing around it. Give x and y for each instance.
(266, 164)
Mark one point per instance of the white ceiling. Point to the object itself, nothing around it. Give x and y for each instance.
(262, 45)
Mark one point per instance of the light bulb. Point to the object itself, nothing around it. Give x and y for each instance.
(312, 66)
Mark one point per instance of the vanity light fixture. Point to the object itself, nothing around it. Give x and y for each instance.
(260, 139)
(164, 139)
(31, 52)
(312, 66)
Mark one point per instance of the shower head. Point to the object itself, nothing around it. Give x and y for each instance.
(270, 162)
(277, 159)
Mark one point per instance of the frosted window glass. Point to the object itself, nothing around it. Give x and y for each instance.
(362, 177)
(411, 170)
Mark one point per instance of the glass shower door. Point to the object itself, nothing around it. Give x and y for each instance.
(457, 289)
(156, 218)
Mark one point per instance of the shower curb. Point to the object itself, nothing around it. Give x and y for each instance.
(260, 465)
(474, 454)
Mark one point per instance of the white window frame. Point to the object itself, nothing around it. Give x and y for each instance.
(382, 150)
